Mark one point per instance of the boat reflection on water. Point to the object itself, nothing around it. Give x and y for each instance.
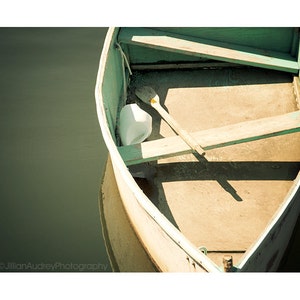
(123, 247)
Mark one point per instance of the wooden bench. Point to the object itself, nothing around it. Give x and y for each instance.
(212, 138)
(249, 56)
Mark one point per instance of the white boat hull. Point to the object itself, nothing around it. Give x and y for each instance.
(167, 248)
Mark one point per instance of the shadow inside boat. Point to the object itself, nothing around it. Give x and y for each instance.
(228, 170)
(221, 172)
(145, 175)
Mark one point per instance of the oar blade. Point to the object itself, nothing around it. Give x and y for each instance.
(146, 93)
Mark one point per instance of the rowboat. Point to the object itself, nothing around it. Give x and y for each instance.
(210, 181)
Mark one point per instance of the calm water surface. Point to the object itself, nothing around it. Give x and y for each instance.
(52, 156)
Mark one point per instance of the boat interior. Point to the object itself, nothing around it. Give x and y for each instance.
(247, 119)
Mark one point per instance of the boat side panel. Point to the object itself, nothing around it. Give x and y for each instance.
(112, 87)
(269, 253)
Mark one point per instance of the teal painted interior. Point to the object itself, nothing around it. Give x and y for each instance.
(278, 43)
(112, 87)
(270, 38)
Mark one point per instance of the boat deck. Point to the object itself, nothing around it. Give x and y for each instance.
(224, 202)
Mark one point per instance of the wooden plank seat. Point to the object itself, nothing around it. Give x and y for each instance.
(212, 138)
(203, 48)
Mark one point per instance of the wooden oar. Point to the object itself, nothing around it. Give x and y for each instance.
(149, 96)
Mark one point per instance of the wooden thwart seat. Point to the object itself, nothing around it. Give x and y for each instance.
(203, 48)
(212, 138)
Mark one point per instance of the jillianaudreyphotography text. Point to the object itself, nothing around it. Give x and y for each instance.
(52, 267)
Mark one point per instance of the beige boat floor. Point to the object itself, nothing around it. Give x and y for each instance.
(225, 204)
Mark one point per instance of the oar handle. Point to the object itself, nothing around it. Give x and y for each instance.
(178, 129)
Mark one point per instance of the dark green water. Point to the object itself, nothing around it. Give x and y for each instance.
(52, 155)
